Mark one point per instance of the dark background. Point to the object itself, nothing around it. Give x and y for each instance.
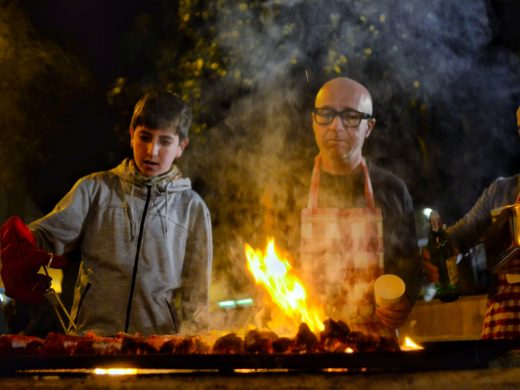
(444, 77)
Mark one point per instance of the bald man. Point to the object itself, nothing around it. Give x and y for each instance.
(359, 221)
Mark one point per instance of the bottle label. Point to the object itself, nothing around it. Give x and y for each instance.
(453, 271)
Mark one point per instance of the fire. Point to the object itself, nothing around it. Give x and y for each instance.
(285, 289)
(410, 345)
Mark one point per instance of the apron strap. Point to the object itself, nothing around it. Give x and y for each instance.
(518, 197)
(312, 202)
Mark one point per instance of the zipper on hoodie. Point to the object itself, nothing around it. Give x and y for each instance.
(136, 261)
(80, 303)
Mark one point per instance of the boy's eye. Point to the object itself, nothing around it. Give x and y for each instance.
(165, 142)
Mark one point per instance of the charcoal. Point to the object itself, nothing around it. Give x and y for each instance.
(388, 344)
(284, 345)
(361, 342)
(228, 344)
(185, 345)
(259, 341)
(335, 330)
(306, 340)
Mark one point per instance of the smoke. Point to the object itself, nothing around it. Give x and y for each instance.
(444, 99)
(38, 82)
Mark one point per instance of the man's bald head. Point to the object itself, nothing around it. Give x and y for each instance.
(341, 123)
(343, 92)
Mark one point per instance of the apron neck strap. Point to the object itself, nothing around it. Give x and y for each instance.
(315, 185)
(518, 197)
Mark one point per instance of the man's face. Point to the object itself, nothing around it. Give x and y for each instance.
(338, 142)
(155, 150)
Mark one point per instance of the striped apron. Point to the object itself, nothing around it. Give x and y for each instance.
(502, 319)
(341, 255)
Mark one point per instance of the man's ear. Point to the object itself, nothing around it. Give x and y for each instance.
(371, 123)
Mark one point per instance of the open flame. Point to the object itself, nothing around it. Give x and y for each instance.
(285, 289)
(410, 345)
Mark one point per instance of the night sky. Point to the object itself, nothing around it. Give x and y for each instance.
(95, 31)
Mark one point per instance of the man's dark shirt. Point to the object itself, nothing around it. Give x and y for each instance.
(401, 255)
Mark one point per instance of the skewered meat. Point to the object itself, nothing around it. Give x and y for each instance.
(20, 345)
(90, 344)
(60, 344)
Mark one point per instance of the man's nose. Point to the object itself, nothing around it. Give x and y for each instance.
(337, 123)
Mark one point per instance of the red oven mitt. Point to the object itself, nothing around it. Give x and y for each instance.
(21, 260)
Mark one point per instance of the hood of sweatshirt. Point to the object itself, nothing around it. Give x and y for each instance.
(169, 182)
(137, 185)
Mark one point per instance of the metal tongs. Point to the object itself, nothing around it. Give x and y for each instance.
(58, 305)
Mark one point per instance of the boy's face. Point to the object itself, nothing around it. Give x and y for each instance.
(155, 150)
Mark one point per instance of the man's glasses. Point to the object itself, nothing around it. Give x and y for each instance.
(351, 118)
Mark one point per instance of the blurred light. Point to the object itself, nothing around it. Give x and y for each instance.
(244, 302)
(427, 211)
(233, 304)
(227, 304)
(115, 371)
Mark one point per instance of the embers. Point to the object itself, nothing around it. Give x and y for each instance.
(336, 337)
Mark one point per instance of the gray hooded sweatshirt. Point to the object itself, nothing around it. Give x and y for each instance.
(146, 251)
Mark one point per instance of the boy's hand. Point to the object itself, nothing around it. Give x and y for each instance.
(21, 260)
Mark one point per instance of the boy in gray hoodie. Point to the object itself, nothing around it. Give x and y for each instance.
(143, 233)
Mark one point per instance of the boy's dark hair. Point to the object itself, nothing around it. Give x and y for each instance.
(160, 110)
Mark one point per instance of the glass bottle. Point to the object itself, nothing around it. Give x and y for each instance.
(442, 255)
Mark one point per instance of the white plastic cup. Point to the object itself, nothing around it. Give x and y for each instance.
(388, 289)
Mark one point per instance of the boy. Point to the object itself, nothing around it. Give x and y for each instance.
(144, 235)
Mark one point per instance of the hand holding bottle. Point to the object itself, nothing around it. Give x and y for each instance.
(430, 269)
(441, 261)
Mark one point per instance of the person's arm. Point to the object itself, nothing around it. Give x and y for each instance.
(401, 250)
(467, 230)
(407, 266)
(197, 272)
(60, 230)
(401, 255)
